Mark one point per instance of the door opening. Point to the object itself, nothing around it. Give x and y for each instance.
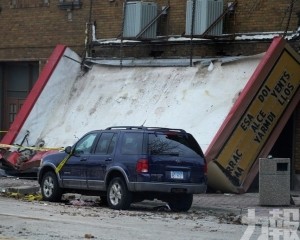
(283, 148)
(18, 79)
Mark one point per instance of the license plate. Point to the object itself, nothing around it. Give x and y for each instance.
(176, 174)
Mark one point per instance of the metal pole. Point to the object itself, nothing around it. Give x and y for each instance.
(122, 33)
(89, 31)
(192, 32)
(289, 19)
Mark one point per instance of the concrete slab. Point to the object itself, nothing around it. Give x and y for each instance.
(25, 190)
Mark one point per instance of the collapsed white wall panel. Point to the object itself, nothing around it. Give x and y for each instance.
(196, 99)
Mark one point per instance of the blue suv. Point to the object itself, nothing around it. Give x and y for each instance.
(128, 164)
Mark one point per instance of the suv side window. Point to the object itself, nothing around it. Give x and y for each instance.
(132, 143)
(106, 143)
(171, 144)
(85, 144)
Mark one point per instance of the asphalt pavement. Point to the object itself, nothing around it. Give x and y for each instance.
(238, 204)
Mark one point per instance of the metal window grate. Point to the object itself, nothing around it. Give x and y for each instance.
(206, 12)
(137, 16)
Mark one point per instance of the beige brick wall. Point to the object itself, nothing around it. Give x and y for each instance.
(262, 16)
(32, 31)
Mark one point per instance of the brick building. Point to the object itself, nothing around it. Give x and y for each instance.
(32, 28)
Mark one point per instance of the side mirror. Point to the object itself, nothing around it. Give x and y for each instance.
(68, 150)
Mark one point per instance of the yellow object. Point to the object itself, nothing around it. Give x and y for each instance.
(31, 148)
(33, 197)
(62, 163)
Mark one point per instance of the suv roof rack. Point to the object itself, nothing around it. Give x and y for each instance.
(125, 127)
(146, 128)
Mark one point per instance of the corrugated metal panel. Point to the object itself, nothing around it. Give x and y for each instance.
(137, 16)
(206, 12)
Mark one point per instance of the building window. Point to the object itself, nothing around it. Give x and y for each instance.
(29, 3)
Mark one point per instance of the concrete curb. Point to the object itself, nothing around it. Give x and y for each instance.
(25, 190)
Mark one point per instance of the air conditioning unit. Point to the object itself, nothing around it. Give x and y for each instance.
(206, 12)
(137, 16)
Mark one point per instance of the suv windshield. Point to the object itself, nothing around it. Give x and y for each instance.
(171, 144)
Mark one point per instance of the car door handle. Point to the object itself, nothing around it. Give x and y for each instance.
(108, 160)
(83, 159)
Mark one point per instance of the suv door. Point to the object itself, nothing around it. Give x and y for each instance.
(73, 173)
(132, 149)
(102, 156)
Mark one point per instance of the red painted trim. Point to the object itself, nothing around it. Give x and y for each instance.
(34, 95)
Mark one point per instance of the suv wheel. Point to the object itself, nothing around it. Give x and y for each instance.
(50, 189)
(118, 196)
(180, 203)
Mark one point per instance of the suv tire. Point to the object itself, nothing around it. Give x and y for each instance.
(103, 201)
(50, 189)
(118, 196)
(180, 203)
